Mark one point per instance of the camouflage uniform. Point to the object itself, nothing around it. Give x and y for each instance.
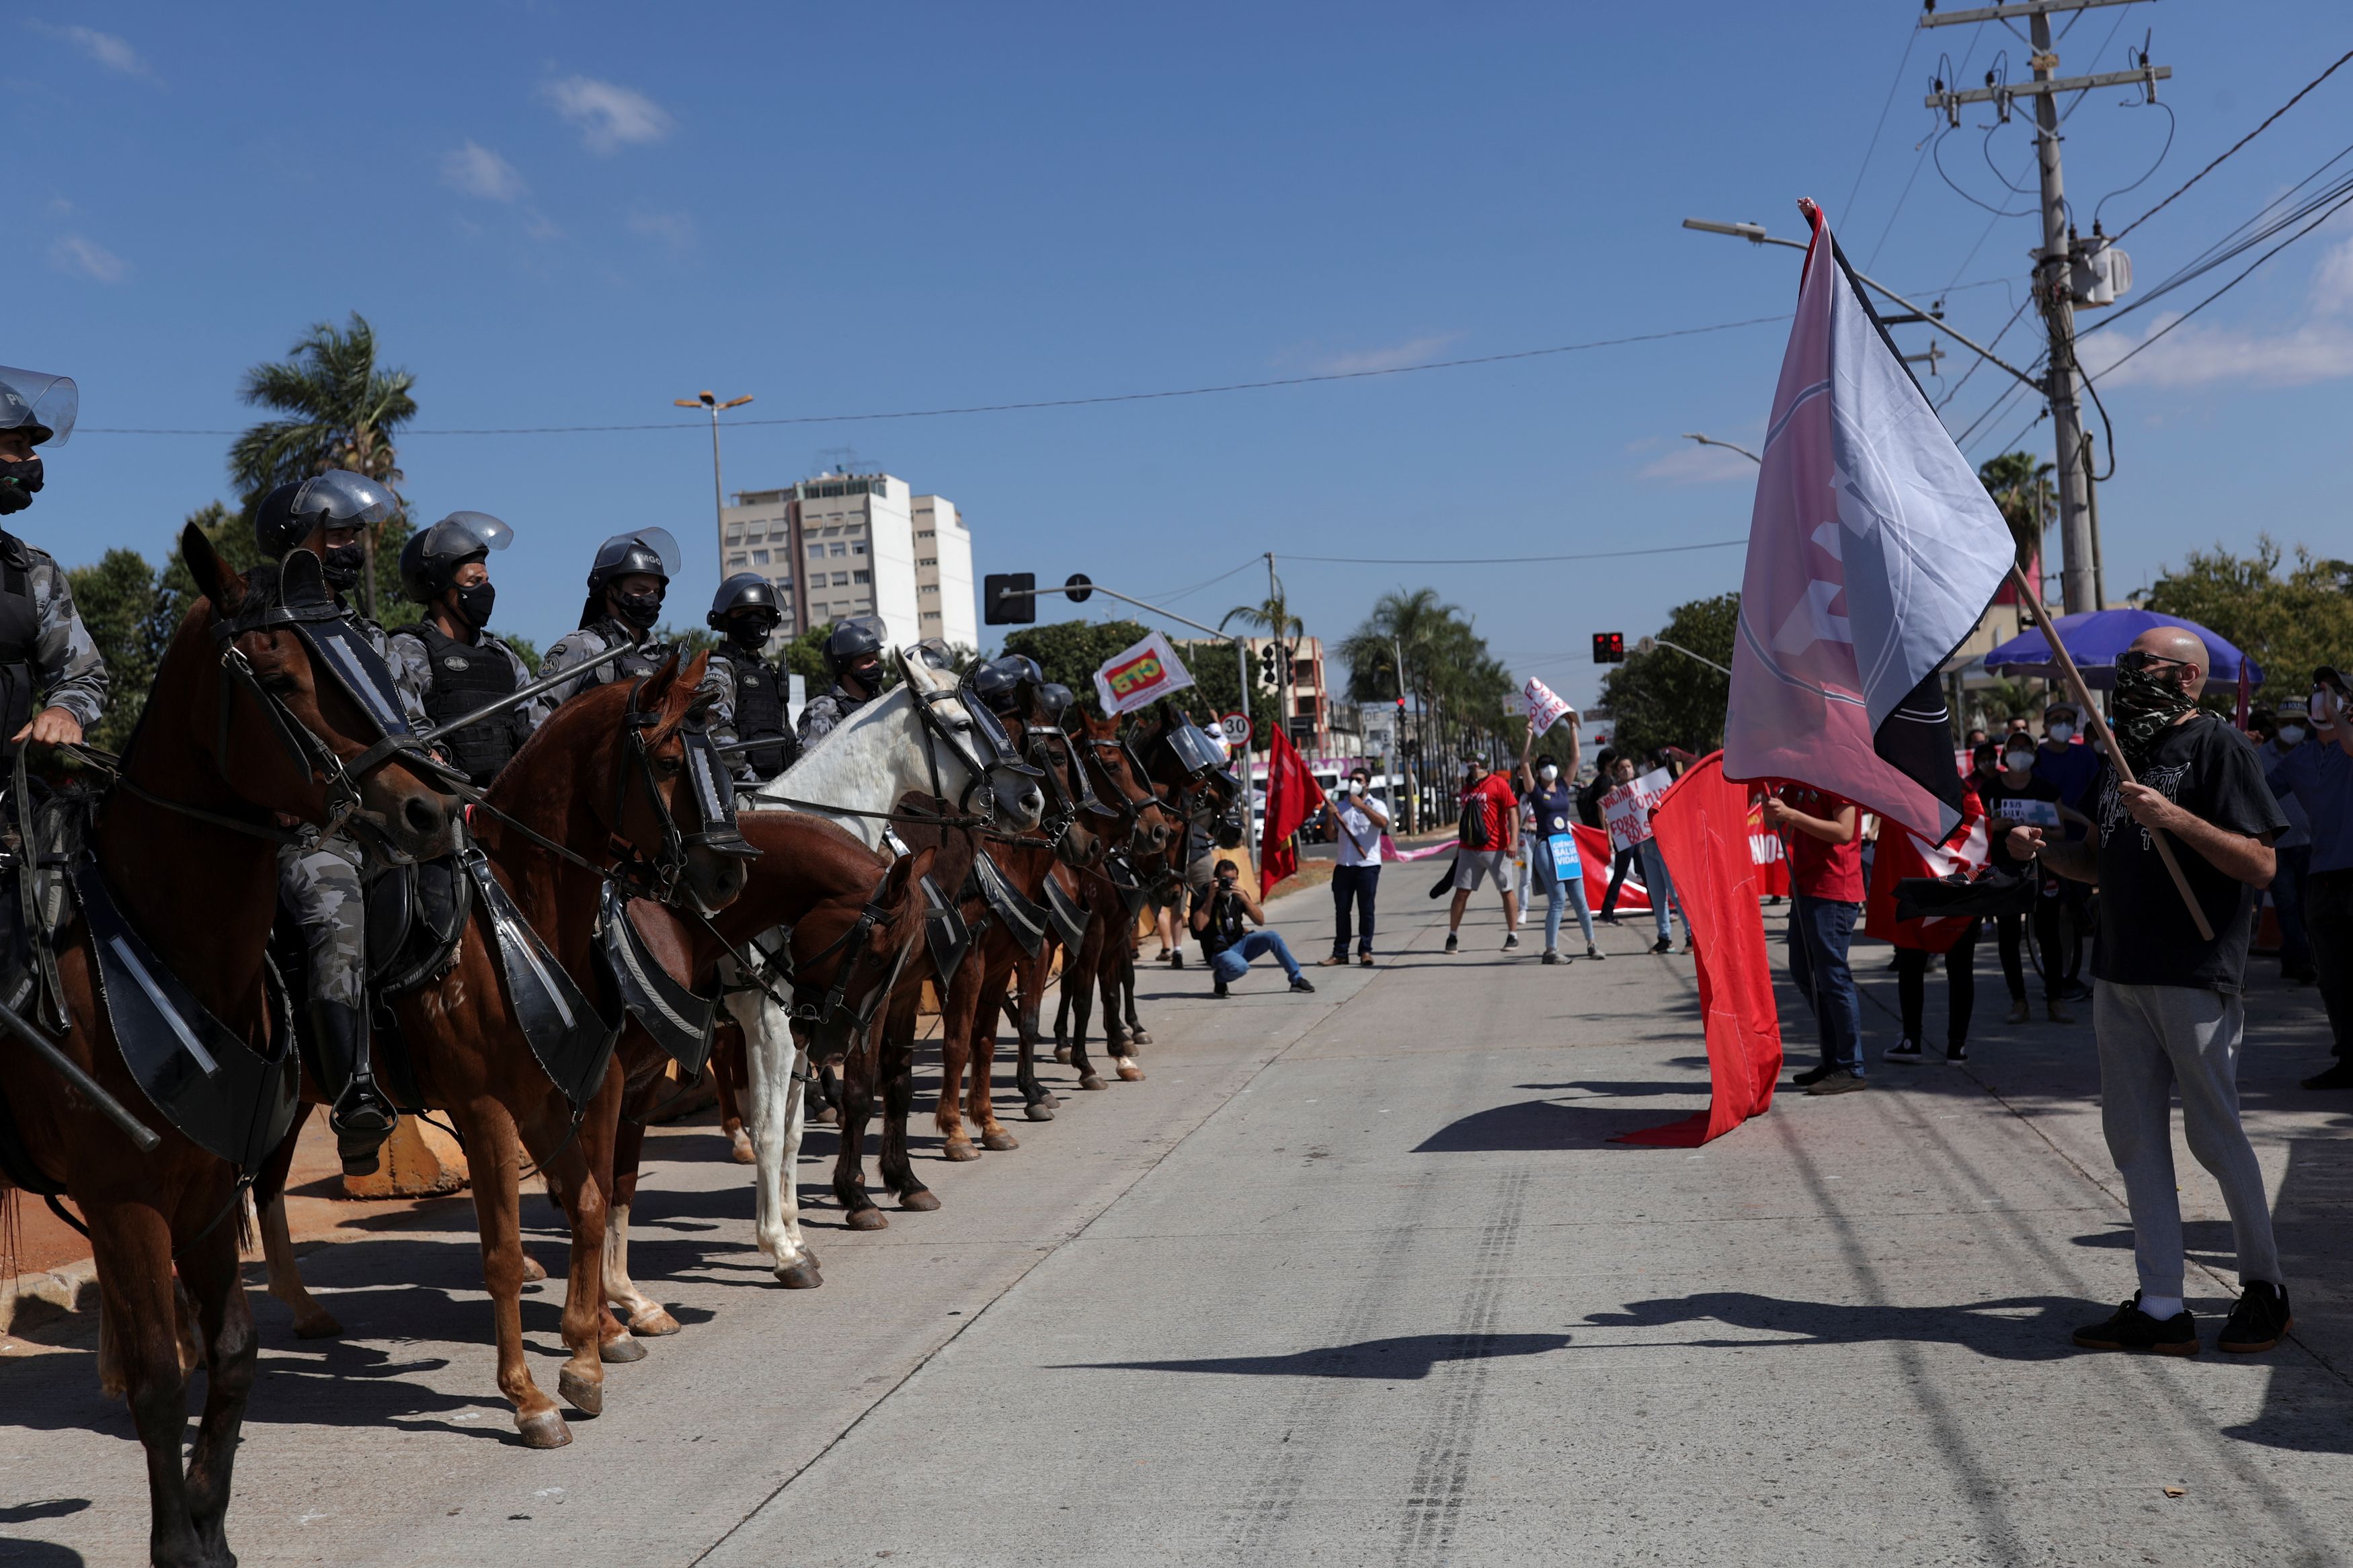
(411, 671)
(718, 685)
(577, 647)
(66, 669)
(819, 717)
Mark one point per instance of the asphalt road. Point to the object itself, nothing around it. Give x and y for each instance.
(1352, 1279)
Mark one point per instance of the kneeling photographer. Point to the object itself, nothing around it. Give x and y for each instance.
(1227, 943)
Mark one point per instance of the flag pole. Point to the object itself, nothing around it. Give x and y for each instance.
(2083, 696)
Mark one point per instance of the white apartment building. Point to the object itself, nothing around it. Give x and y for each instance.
(857, 544)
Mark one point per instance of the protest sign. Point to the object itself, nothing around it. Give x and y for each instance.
(1626, 810)
(1545, 708)
(2031, 813)
(1140, 675)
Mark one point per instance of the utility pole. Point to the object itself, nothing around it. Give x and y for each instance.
(2053, 265)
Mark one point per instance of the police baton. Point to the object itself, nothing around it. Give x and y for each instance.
(49, 1051)
(522, 694)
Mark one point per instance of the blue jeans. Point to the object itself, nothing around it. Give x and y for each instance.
(1232, 964)
(1661, 886)
(1819, 932)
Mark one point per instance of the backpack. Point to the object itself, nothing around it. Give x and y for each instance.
(1473, 831)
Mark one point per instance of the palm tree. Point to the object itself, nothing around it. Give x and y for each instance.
(2022, 493)
(340, 410)
(1271, 617)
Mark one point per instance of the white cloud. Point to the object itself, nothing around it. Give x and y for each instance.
(675, 230)
(115, 54)
(1413, 351)
(2198, 354)
(75, 254)
(610, 116)
(479, 172)
(1696, 465)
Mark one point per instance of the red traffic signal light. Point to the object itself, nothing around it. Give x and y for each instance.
(1609, 647)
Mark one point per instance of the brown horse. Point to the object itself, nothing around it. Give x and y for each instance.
(187, 846)
(817, 880)
(1107, 961)
(600, 777)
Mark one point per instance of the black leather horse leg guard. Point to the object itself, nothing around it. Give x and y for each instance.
(362, 1118)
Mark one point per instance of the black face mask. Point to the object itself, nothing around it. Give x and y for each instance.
(17, 483)
(639, 610)
(474, 604)
(344, 563)
(750, 632)
(2146, 706)
(868, 673)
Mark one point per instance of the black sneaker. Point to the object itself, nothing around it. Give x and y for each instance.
(1511, 939)
(1452, 941)
(1218, 990)
(1840, 1081)
(1903, 1050)
(2259, 1319)
(1812, 1076)
(1664, 944)
(2132, 1330)
(2339, 1076)
(1299, 983)
(1551, 955)
(1176, 960)
(1956, 1053)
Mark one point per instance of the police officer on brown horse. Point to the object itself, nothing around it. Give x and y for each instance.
(748, 701)
(450, 657)
(627, 583)
(46, 653)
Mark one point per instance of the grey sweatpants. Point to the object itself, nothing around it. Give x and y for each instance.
(2152, 1039)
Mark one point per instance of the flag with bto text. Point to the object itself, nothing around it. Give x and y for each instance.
(1873, 551)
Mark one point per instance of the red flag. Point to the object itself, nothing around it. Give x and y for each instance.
(1593, 852)
(1903, 853)
(1293, 797)
(1702, 826)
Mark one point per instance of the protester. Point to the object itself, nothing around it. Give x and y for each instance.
(2167, 1005)
(1976, 738)
(1826, 890)
(2073, 767)
(1227, 946)
(1659, 887)
(1490, 819)
(2319, 774)
(1357, 823)
(1588, 811)
(2283, 730)
(1917, 942)
(2017, 794)
(1555, 865)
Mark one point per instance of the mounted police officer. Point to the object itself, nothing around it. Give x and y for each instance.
(44, 646)
(625, 587)
(450, 657)
(749, 701)
(853, 653)
(1008, 684)
(320, 886)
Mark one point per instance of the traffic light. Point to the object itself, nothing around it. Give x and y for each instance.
(1269, 663)
(1017, 607)
(1609, 647)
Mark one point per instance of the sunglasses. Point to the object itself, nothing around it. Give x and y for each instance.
(2142, 660)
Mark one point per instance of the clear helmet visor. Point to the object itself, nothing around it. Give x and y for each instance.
(614, 552)
(463, 532)
(340, 499)
(39, 399)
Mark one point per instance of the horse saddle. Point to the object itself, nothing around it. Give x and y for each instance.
(572, 1040)
(678, 1019)
(1121, 873)
(227, 1096)
(1069, 917)
(1025, 919)
(415, 920)
(945, 933)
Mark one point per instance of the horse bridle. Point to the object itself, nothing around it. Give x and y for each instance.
(663, 878)
(818, 1017)
(938, 731)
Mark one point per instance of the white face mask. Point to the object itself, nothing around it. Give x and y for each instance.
(2061, 732)
(2291, 734)
(1548, 773)
(2019, 762)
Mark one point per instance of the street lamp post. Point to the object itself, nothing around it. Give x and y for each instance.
(709, 400)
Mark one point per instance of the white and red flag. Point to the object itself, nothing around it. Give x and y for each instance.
(1872, 552)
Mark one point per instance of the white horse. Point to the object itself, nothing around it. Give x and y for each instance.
(865, 763)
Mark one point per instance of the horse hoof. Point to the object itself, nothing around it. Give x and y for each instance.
(1130, 1073)
(867, 1218)
(653, 1322)
(532, 1272)
(1139, 1036)
(542, 1429)
(1062, 1054)
(740, 1150)
(801, 1276)
(960, 1150)
(919, 1200)
(587, 1397)
(1038, 1111)
(997, 1140)
(317, 1326)
(620, 1351)
(1091, 1081)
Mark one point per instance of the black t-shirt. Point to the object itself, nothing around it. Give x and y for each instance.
(2146, 934)
(1225, 925)
(1992, 792)
(1588, 801)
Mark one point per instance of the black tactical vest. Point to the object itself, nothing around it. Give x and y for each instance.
(638, 662)
(465, 677)
(760, 714)
(20, 630)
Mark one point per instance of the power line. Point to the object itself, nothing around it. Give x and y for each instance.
(1911, 41)
(1053, 402)
(1508, 560)
(2234, 146)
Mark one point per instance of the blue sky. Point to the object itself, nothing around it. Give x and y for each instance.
(560, 214)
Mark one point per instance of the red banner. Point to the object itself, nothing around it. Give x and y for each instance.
(1292, 797)
(1702, 827)
(1593, 852)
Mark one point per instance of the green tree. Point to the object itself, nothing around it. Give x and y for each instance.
(339, 410)
(231, 535)
(129, 619)
(1661, 697)
(2287, 622)
(1072, 651)
(2023, 492)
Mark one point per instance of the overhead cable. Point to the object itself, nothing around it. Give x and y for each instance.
(1508, 560)
(2234, 146)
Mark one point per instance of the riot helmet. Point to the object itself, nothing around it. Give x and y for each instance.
(643, 552)
(1054, 699)
(334, 501)
(998, 682)
(430, 563)
(745, 609)
(853, 649)
(41, 405)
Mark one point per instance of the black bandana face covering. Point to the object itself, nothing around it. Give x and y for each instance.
(17, 483)
(344, 563)
(2146, 706)
(474, 604)
(638, 610)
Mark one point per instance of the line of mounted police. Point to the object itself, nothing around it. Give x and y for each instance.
(445, 666)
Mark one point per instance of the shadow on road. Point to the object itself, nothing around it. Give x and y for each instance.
(1404, 1358)
(1539, 1124)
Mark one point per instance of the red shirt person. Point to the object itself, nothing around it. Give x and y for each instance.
(1826, 893)
(1491, 822)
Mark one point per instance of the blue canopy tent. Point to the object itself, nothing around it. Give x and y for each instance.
(2095, 637)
